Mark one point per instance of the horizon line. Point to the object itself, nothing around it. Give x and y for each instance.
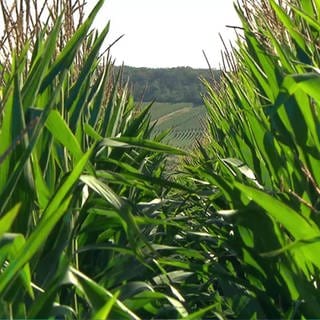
(161, 67)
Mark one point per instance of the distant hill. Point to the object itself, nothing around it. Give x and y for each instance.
(173, 85)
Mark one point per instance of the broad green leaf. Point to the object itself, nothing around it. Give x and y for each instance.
(41, 188)
(12, 131)
(65, 188)
(261, 77)
(130, 142)
(61, 131)
(7, 220)
(103, 312)
(55, 210)
(307, 16)
(143, 180)
(106, 192)
(99, 297)
(14, 243)
(308, 83)
(6, 192)
(90, 131)
(134, 287)
(292, 246)
(297, 225)
(32, 245)
(147, 296)
(199, 314)
(133, 126)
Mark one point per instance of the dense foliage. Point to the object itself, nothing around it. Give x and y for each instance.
(173, 85)
(93, 226)
(79, 186)
(264, 159)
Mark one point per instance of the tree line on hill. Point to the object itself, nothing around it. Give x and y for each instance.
(180, 84)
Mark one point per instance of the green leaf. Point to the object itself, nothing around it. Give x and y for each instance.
(89, 64)
(55, 210)
(307, 17)
(36, 76)
(292, 246)
(5, 193)
(41, 188)
(66, 56)
(199, 314)
(105, 191)
(130, 142)
(32, 245)
(15, 242)
(12, 131)
(103, 312)
(297, 225)
(308, 83)
(61, 131)
(289, 25)
(99, 297)
(7, 220)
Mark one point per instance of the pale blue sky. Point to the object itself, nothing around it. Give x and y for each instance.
(168, 33)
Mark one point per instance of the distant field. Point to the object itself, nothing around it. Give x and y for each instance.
(187, 123)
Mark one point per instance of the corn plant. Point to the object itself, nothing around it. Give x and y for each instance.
(92, 225)
(81, 185)
(260, 170)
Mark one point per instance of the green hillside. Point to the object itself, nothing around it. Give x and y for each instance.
(175, 85)
(186, 122)
(179, 106)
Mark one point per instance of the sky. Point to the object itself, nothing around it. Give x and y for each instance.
(168, 33)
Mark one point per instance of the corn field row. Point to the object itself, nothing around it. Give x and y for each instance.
(92, 222)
